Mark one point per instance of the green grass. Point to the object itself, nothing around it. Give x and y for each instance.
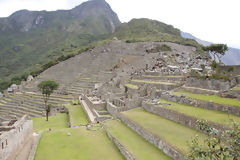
(77, 114)
(201, 113)
(213, 98)
(135, 144)
(54, 122)
(81, 145)
(173, 133)
(152, 82)
(132, 86)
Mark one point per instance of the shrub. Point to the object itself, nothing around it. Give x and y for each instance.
(231, 69)
(163, 47)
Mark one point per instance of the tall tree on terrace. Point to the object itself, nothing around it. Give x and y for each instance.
(216, 50)
(47, 88)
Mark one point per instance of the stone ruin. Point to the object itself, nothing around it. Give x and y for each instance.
(14, 134)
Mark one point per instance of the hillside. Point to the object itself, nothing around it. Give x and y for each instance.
(150, 30)
(30, 39)
(232, 56)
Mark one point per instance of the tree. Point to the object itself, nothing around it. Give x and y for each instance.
(47, 88)
(216, 50)
(223, 145)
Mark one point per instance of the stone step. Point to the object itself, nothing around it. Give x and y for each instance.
(6, 106)
(19, 112)
(30, 106)
(170, 136)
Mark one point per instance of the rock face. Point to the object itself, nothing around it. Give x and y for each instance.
(24, 20)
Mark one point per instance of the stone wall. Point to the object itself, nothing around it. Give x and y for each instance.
(13, 141)
(235, 72)
(95, 105)
(177, 117)
(155, 140)
(122, 149)
(208, 84)
(160, 86)
(162, 78)
(202, 104)
(166, 148)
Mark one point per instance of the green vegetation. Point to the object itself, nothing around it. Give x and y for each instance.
(152, 82)
(47, 88)
(175, 134)
(141, 30)
(82, 144)
(216, 50)
(223, 147)
(42, 46)
(55, 122)
(216, 75)
(201, 113)
(135, 144)
(132, 86)
(213, 98)
(77, 114)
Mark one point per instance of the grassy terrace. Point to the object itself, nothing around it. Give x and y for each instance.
(173, 133)
(152, 82)
(55, 122)
(81, 145)
(132, 86)
(213, 98)
(77, 114)
(201, 113)
(135, 144)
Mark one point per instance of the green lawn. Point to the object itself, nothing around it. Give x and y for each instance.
(54, 122)
(132, 86)
(78, 115)
(201, 113)
(152, 82)
(173, 133)
(81, 145)
(135, 144)
(213, 98)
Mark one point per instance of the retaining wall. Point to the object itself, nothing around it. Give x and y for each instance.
(177, 117)
(208, 84)
(122, 149)
(202, 104)
(155, 140)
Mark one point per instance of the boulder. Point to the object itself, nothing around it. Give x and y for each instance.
(1, 94)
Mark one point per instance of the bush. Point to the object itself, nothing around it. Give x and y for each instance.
(214, 65)
(231, 69)
(163, 47)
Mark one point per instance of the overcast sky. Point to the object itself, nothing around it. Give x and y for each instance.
(212, 20)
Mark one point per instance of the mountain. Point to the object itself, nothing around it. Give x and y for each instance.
(151, 30)
(232, 56)
(30, 39)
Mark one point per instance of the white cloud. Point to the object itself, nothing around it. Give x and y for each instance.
(212, 20)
